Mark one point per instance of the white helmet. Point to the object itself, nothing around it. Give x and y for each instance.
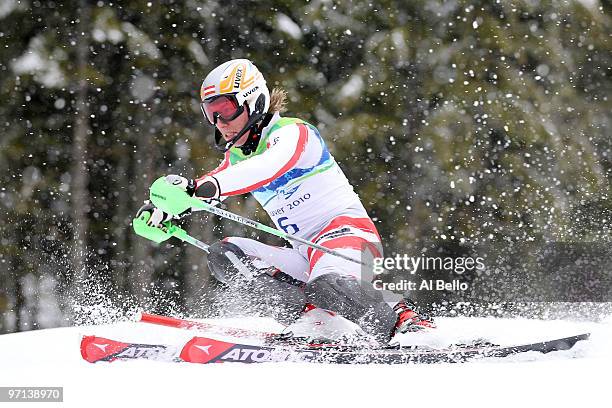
(240, 84)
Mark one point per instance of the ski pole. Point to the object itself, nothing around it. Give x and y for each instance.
(183, 236)
(175, 201)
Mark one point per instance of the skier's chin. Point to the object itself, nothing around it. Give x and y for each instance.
(229, 136)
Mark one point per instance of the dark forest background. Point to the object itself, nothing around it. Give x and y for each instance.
(456, 121)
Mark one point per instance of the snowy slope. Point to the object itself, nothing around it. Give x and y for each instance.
(578, 377)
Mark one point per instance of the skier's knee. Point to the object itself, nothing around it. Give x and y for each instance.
(260, 291)
(226, 261)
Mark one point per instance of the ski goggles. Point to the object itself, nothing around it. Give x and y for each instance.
(224, 107)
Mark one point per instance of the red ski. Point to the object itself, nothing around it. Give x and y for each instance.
(205, 350)
(94, 349)
(208, 327)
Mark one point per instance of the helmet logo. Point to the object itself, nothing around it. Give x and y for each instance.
(244, 95)
(238, 77)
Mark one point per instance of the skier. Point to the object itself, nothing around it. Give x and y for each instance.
(285, 164)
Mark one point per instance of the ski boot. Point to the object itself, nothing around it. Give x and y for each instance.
(320, 328)
(409, 319)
